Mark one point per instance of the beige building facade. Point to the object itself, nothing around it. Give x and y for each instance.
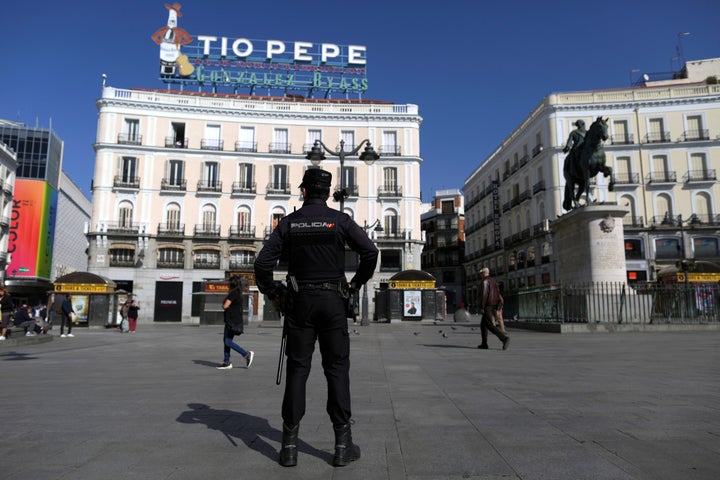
(188, 185)
(664, 147)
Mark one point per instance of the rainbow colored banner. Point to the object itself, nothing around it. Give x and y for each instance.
(32, 229)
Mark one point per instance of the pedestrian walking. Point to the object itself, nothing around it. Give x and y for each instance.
(6, 310)
(490, 300)
(132, 315)
(67, 317)
(313, 239)
(233, 307)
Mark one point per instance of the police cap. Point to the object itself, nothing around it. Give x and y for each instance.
(316, 177)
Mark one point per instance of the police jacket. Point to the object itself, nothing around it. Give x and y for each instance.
(313, 238)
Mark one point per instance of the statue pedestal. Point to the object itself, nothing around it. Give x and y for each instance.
(589, 245)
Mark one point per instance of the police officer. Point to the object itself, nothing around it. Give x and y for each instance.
(314, 239)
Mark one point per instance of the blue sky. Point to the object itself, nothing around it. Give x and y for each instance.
(475, 69)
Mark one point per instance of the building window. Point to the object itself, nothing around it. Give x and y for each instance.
(390, 146)
(706, 247)
(242, 259)
(122, 257)
(174, 175)
(312, 135)
(127, 176)
(280, 143)
(633, 249)
(177, 139)
(279, 183)
(131, 134)
(390, 260)
(171, 257)
(212, 139)
(125, 215)
(667, 248)
(348, 136)
(172, 218)
(210, 177)
(206, 259)
(246, 143)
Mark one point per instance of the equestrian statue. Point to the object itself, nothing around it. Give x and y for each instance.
(586, 158)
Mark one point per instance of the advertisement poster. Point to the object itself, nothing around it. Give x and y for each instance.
(80, 304)
(32, 229)
(413, 303)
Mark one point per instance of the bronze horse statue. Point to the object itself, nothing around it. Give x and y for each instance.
(586, 161)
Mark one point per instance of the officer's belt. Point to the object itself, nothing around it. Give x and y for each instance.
(334, 286)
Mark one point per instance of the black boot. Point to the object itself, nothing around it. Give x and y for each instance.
(288, 451)
(345, 450)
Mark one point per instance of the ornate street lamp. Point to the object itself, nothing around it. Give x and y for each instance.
(317, 155)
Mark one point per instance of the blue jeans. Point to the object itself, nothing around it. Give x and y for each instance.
(228, 343)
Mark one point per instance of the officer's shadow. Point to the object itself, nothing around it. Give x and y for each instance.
(252, 431)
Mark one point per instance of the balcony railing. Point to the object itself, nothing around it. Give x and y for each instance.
(171, 229)
(396, 234)
(244, 187)
(662, 177)
(626, 139)
(279, 188)
(201, 230)
(172, 184)
(539, 187)
(172, 142)
(705, 219)
(658, 137)
(390, 191)
(245, 146)
(663, 221)
(129, 139)
(391, 150)
(630, 221)
(242, 231)
(537, 149)
(122, 181)
(121, 262)
(244, 265)
(171, 264)
(352, 190)
(209, 186)
(694, 135)
(211, 144)
(700, 176)
(279, 147)
(122, 228)
(206, 264)
(625, 178)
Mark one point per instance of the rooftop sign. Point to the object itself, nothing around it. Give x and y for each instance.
(247, 64)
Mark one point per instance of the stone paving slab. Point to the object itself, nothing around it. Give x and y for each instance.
(152, 405)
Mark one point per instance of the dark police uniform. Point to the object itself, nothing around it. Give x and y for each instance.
(314, 239)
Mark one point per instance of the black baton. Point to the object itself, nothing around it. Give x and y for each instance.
(278, 377)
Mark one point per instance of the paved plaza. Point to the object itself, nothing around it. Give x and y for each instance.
(427, 405)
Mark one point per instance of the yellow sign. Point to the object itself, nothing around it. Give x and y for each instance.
(83, 287)
(699, 277)
(412, 284)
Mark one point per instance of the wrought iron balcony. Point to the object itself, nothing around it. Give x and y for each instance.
(123, 181)
(279, 147)
(704, 175)
(129, 139)
(245, 146)
(171, 229)
(171, 264)
(209, 186)
(538, 187)
(352, 190)
(242, 231)
(172, 142)
(394, 234)
(658, 137)
(625, 178)
(127, 228)
(243, 265)
(202, 230)
(694, 135)
(635, 222)
(389, 191)
(206, 264)
(173, 184)
(662, 177)
(626, 139)
(279, 188)
(211, 144)
(244, 187)
(537, 149)
(390, 150)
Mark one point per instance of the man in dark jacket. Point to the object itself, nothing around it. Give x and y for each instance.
(22, 319)
(491, 300)
(313, 238)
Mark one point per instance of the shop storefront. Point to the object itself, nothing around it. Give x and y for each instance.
(93, 297)
(410, 295)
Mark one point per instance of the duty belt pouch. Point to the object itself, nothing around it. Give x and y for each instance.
(352, 305)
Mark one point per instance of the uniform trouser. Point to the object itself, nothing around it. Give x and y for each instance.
(66, 319)
(317, 315)
(487, 324)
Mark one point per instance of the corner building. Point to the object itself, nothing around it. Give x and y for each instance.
(188, 185)
(664, 147)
